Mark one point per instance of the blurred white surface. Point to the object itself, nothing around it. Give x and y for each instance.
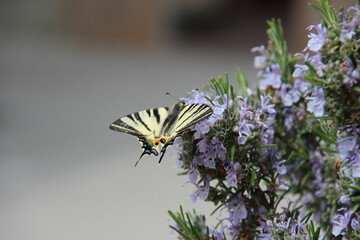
(63, 173)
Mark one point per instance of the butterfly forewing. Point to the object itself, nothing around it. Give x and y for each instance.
(143, 123)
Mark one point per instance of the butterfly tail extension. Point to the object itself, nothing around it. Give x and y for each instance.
(163, 149)
(144, 153)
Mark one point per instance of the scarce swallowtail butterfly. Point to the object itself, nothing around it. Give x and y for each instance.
(161, 125)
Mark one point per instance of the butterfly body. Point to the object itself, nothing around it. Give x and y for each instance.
(161, 125)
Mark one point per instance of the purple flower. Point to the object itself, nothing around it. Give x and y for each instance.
(345, 199)
(201, 129)
(355, 222)
(244, 130)
(355, 74)
(289, 97)
(356, 10)
(340, 222)
(259, 49)
(193, 174)
(202, 145)
(317, 185)
(208, 160)
(195, 97)
(245, 111)
(317, 63)
(218, 109)
(179, 149)
(347, 31)
(289, 119)
(350, 75)
(281, 169)
(301, 69)
(271, 77)
(316, 102)
(301, 85)
(265, 116)
(237, 210)
(209, 152)
(232, 173)
(260, 61)
(288, 227)
(265, 236)
(219, 149)
(355, 162)
(349, 151)
(347, 144)
(204, 126)
(201, 192)
(283, 184)
(219, 235)
(316, 40)
(284, 223)
(265, 106)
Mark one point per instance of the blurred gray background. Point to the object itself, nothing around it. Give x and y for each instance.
(68, 68)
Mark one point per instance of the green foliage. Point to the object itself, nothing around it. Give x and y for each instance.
(190, 226)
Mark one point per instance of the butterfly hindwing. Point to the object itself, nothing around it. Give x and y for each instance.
(161, 125)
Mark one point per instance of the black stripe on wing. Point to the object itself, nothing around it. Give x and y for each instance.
(156, 114)
(121, 126)
(172, 118)
(189, 116)
(138, 118)
(192, 114)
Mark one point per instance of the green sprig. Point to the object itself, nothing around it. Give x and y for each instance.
(327, 12)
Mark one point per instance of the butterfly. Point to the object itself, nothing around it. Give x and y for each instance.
(161, 125)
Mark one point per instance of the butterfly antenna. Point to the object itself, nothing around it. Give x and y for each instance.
(177, 99)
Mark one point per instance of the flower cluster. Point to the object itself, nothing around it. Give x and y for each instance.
(299, 134)
(284, 226)
(230, 154)
(332, 65)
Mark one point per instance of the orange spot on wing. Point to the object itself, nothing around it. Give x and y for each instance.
(157, 140)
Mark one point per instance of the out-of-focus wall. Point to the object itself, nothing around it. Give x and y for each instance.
(133, 23)
(225, 23)
(29, 16)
